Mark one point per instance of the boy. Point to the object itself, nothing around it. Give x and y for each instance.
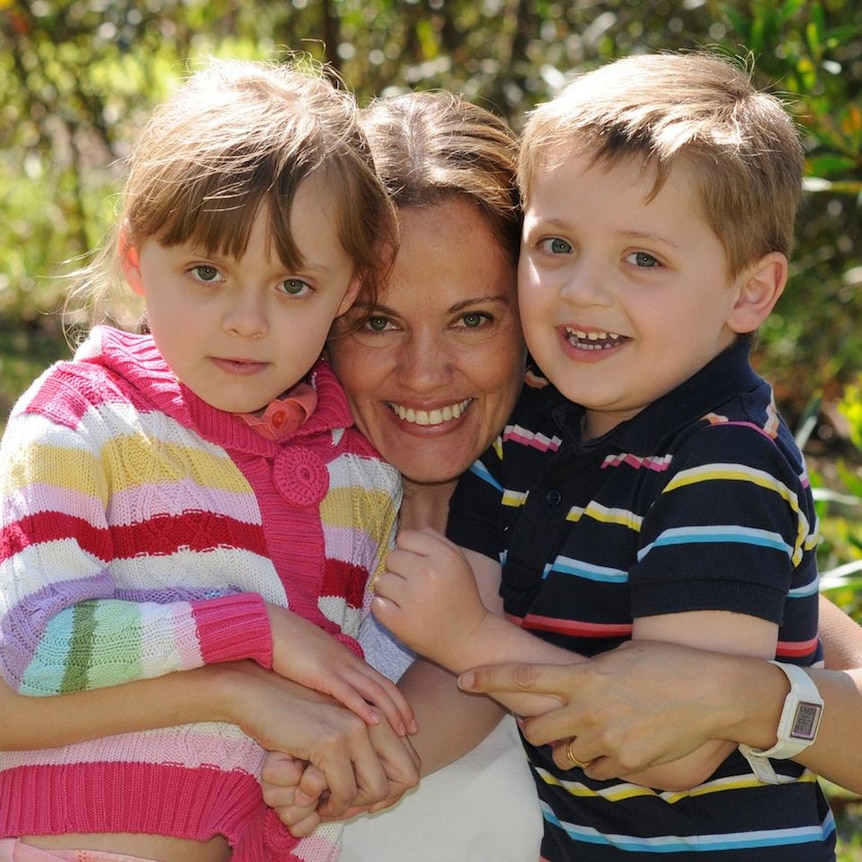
(652, 491)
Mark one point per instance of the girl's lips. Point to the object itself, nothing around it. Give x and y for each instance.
(436, 416)
(242, 367)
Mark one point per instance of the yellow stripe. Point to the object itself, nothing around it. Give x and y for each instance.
(621, 517)
(623, 791)
(733, 472)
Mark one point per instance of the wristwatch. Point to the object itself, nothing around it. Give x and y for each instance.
(797, 729)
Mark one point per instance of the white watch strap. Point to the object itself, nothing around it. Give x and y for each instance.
(797, 728)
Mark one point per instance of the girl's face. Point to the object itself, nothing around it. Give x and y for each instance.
(435, 371)
(241, 331)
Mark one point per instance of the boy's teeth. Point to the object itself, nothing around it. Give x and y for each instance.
(594, 340)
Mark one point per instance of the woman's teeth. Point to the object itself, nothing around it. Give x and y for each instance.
(430, 417)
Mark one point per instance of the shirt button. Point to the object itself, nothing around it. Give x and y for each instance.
(553, 497)
(279, 418)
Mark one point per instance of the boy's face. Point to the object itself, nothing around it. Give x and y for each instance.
(621, 299)
(240, 331)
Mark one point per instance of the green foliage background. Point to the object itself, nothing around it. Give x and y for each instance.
(78, 78)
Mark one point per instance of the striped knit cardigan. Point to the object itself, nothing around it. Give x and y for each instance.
(142, 532)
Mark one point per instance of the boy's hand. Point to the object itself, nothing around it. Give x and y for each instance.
(306, 654)
(429, 599)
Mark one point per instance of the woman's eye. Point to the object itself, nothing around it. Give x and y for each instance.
(295, 287)
(643, 260)
(555, 245)
(376, 323)
(474, 320)
(206, 273)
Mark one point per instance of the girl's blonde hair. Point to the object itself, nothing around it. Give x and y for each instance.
(699, 108)
(238, 136)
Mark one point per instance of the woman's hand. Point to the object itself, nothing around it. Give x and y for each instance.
(641, 705)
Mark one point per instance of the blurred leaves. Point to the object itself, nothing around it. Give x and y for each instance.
(78, 78)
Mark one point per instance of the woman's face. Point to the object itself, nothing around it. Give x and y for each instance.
(434, 373)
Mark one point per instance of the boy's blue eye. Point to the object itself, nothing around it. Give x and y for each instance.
(555, 245)
(643, 260)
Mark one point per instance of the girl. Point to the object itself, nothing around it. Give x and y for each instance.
(197, 494)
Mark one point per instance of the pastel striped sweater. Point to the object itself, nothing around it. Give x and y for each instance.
(142, 532)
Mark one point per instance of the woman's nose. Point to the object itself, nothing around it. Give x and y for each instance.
(425, 363)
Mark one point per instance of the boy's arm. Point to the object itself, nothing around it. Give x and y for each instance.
(444, 603)
(722, 631)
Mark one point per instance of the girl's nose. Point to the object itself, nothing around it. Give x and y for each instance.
(246, 316)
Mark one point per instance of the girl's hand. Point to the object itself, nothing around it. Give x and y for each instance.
(283, 716)
(300, 796)
(306, 654)
(428, 597)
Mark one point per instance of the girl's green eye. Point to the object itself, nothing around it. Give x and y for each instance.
(295, 286)
(205, 272)
(471, 321)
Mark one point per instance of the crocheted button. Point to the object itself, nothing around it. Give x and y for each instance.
(301, 477)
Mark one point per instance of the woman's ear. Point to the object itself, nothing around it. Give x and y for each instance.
(130, 261)
(759, 288)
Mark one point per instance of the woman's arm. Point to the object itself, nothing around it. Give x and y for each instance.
(610, 703)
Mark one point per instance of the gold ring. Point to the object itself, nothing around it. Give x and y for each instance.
(581, 764)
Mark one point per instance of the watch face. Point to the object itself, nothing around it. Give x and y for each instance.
(806, 721)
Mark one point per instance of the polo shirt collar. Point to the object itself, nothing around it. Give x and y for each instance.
(726, 375)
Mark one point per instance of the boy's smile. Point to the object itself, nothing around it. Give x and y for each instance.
(622, 297)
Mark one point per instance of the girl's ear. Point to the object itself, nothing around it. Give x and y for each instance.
(130, 261)
(350, 296)
(759, 288)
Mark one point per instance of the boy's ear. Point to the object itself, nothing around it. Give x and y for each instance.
(350, 296)
(130, 261)
(759, 287)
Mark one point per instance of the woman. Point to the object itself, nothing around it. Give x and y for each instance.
(432, 372)
(433, 455)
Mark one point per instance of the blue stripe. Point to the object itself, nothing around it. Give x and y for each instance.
(588, 571)
(697, 843)
(480, 470)
(712, 535)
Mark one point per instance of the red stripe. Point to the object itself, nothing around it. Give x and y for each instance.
(574, 628)
(160, 535)
(796, 649)
(53, 526)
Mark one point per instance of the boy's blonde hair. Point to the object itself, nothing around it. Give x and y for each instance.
(698, 108)
(239, 136)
